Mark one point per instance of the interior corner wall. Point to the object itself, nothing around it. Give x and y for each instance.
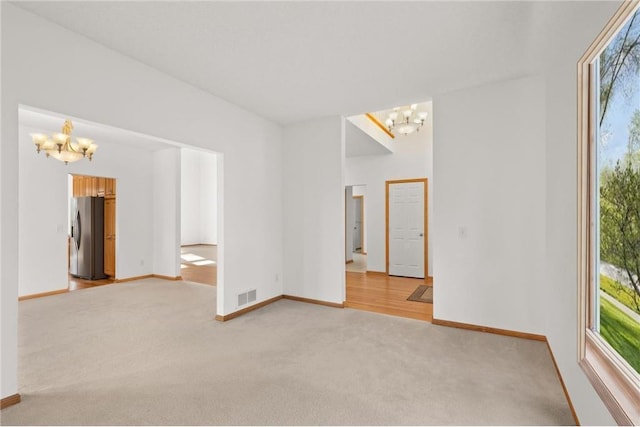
(198, 198)
(412, 158)
(561, 288)
(560, 285)
(489, 224)
(314, 210)
(102, 86)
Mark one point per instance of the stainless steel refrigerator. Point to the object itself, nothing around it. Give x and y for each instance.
(87, 238)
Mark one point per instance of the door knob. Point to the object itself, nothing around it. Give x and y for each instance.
(421, 234)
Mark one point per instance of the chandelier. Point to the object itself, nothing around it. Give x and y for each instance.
(405, 120)
(60, 147)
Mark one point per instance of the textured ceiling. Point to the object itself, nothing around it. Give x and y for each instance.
(291, 61)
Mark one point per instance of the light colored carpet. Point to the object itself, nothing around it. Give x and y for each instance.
(149, 352)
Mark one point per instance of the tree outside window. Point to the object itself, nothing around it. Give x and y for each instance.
(618, 193)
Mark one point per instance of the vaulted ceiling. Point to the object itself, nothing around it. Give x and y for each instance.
(292, 61)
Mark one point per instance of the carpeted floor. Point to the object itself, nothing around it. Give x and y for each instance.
(150, 353)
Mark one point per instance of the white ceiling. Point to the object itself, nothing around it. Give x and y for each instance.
(292, 61)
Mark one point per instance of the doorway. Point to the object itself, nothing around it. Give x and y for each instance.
(91, 243)
(355, 229)
(382, 291)
(406, 228)
(358, 229)
(199, 216)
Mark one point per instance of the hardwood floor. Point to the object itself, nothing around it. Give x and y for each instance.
(77, 283)
(374, 292)
(204, 274)
(380, 293)
(190, 271)
(199, 264)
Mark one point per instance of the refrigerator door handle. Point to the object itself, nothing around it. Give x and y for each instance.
(78, 233)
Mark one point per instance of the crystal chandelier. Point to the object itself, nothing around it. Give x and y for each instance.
(60, 147)
(405, 120)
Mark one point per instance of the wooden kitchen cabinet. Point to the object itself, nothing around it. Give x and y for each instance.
(110, 237)
(93, 186)
(100, 186)
(76, 186)
(110, 187)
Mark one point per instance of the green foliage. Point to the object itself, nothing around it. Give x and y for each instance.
(620, 64)
(620, 221)
(622, 293)
(621, 332)
(633, 146)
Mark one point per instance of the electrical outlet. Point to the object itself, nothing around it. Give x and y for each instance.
(277, 277)
(141, 262)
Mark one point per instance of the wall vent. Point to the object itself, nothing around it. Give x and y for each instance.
(247, 297)
(242, 299)
(251, 296)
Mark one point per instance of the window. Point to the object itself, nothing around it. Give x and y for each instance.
(609, 214)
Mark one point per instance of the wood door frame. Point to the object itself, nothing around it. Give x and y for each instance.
(361, 197)
(425, 218)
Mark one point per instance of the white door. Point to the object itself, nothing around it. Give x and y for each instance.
(406, 229)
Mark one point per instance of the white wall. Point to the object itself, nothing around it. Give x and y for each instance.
(199, 206)
(102, 86)
(489, 225)
(166, 217)
(560, 282)
(547, 304)
(412, 158)
(314, 209)
(43, 209)
(189, 197)
(208, 199)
